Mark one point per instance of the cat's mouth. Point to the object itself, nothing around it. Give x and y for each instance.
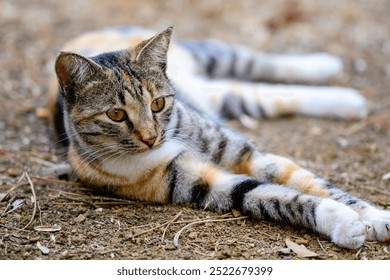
(153, 146)
(141, 145)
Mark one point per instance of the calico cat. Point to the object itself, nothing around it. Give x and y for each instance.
(147, 128)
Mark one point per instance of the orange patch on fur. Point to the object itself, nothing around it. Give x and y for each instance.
(311, 188)
(306, 185)
(244, 166)
(318, 190)
(208, 173)
(203, 171)
(285, 174)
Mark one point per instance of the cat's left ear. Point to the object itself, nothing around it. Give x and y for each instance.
(153, 52)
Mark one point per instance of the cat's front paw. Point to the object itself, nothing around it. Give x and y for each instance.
(342, 224)
(349, 234)
(377, 225)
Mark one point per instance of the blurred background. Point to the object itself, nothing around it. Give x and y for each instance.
(352, 154)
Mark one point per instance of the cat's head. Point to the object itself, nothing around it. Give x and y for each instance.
(120, 101)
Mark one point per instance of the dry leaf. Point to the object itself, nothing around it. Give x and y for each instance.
(300, 250)
(48, 228)
(43, 249)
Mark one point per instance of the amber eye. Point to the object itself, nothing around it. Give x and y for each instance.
(116, 115)
(158, 104)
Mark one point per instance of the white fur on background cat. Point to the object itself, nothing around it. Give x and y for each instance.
(309, 68)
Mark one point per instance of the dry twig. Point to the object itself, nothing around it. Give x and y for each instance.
(374, 189)
(34, 200)
(322, 247)
(169, 223)
(18, 184)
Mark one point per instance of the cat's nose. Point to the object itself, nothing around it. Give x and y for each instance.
(149, 140)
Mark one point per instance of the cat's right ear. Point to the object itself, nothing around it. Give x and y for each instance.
(73, 69)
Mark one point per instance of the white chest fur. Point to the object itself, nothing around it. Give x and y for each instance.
(134, 166)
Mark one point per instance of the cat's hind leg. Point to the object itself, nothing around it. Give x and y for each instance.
(233, 100)
(216, 59)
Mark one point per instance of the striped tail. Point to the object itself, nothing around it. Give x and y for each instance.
(216, 59)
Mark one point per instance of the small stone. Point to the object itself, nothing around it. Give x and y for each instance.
(13, 172)
(386, 176)
(170, 247)
(119, 213)
(193, 235)
(43, 248)
(80, 218)
(34, 239)
(302, 241)
(284, 251)
(64, 253)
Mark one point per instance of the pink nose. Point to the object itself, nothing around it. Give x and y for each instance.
(150, 140)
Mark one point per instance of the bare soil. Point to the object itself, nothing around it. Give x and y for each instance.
(85, 225)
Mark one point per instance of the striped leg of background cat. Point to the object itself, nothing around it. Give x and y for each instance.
(234, 99)
(217, 59)
(190, 179)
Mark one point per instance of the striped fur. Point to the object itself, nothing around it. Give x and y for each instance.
(181, 152)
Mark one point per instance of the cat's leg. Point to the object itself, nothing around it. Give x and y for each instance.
(235, 100)
(283, 171)
(191, 179)
(216, 59)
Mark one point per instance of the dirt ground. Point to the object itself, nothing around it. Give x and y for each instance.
(84, 225)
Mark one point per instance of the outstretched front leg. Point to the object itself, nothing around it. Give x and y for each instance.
(283, 171)
(192, 179)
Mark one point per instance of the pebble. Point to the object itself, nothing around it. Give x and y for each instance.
(284, 251)
(80, 218)
(193, 235)
(14, 172)
(302, 241)
(170, 247)
(386, 176)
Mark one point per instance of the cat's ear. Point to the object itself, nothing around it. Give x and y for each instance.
(72, 69)
(153, 52)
